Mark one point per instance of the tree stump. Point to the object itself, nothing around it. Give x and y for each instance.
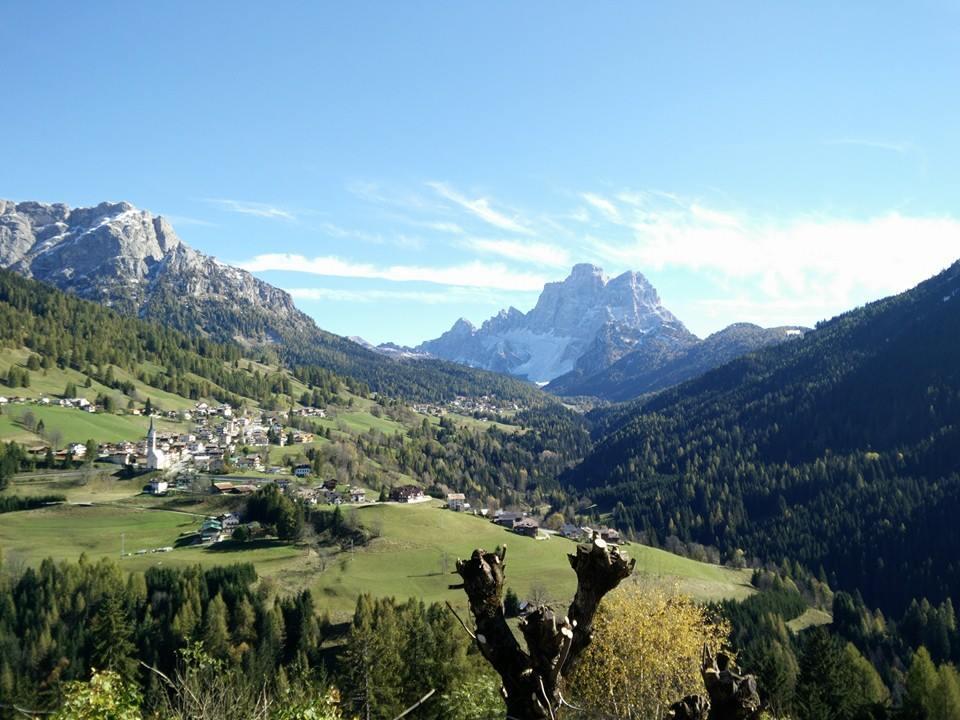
(531, 679)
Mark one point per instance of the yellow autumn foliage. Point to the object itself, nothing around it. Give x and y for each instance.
(645, 655)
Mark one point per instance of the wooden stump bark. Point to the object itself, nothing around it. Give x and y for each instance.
(531, 678)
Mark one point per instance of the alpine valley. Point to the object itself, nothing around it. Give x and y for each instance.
(592, 335)
(182, 415)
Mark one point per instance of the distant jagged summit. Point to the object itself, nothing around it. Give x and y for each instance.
(585, 321)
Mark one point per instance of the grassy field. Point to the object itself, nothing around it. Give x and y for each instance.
(416, 544)
(78, 426)
(85, 485)
(810, 618)
(419, 541)
(53, 381)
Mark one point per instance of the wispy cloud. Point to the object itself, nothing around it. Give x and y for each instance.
(537, 253)
(481, 208)
(257, 209)
(605, 206)
(402, 240)
(334, 230)
(450, 228)
(448, 296)
(786, 260)
(470, 274)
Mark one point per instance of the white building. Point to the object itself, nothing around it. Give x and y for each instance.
(158, 487)
(156, 459)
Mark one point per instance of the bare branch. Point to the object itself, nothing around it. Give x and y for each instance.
(417, 704)
(460, 620)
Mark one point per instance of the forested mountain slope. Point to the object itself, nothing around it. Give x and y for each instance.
(840, 450)
(655, 366)
(64, 331)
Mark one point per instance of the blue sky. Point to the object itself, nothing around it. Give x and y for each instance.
(397, 165)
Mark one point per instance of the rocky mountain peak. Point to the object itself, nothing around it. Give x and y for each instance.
(122, 256)
(586, 272)
(463, 327)
(584, 318)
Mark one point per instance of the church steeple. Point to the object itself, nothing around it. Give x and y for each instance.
(156, 459)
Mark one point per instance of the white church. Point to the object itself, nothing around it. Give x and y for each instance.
(156, 458)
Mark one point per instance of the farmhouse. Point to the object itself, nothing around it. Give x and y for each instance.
(456, 501)
(527, 527)
(406, 493)
(358, 495)
(610, 535)
(210, 530)
(507, 519)
(302, 470)
(251, 462)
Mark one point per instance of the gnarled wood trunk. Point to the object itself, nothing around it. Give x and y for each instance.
(531, 679)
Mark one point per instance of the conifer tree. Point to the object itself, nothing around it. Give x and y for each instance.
(946, 699)
(922, 685)
(112, 631)
(216, 634)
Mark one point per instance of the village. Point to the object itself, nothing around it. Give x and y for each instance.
(223, 439)
(487, 406)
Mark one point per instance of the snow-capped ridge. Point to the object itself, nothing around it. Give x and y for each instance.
(584, 318)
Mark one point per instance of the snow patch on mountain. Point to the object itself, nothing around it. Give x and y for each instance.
(585, 321)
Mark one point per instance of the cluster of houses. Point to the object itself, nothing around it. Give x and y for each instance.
(210, 445)
(330, 493)
(407, 494)
(78, 403)
(524, 524)
(463, 405)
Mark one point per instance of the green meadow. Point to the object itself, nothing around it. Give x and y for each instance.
(420, 543)
(76, 425)
(414, 554)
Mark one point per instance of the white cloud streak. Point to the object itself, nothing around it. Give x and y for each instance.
(471, 274)
(606, 208)
(256, 209)
(183, 220)
(818, 259)
(536, 253)
(481, 208)
(447, 296)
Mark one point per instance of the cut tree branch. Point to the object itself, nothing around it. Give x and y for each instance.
(531, 679)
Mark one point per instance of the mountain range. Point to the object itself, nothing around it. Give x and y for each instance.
(128, 259)
(587, 335)
(133, 261)
(656, 365)
(837, 447)
(596, 336)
